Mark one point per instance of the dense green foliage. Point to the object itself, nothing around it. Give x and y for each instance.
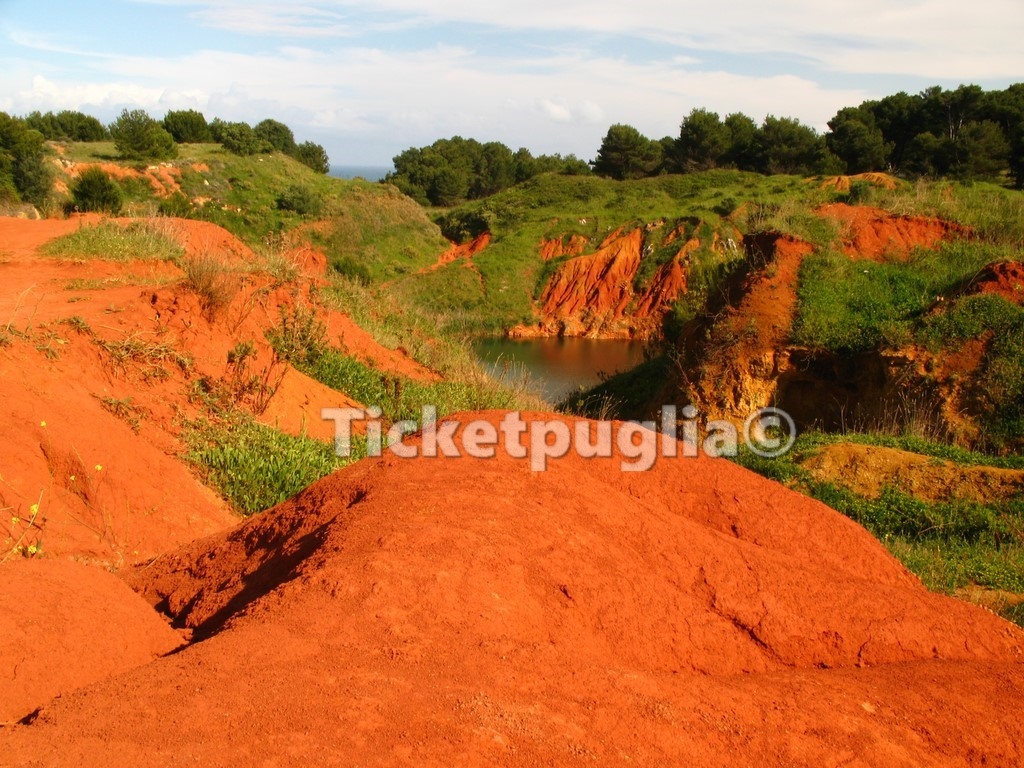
(67, 125)
(779, 145)
(966, 133)
(138, 136)
(24, 172)
(313, 156)
(276, 135)
(237, 137)
(454, 170)
(94, 190)
(187, 126)
(626, 154)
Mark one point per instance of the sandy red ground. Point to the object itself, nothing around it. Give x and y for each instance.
(472, 612)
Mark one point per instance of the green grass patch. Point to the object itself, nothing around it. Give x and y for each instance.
(255, 467)
(994, 213)
(401, 398)
(847, 305)
(111, 241)
(378, 234)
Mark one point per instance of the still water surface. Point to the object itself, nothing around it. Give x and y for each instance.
(557, 367)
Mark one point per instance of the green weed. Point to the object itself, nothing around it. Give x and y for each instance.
(254, 466)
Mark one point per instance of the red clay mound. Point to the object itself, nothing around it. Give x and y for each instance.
(871, 233)
(472, 612)
(572, 245)
(64, 625)
(1004, 278)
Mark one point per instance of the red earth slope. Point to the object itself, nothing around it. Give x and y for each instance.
(472, 612)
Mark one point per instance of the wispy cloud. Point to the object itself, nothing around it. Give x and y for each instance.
(277, 19)
(936, 38)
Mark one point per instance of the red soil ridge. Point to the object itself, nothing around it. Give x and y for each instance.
(556, 248)
(461, 251)
(471, 612)
(165, 179)
(593, 294)
(81, 428)
(871, 233)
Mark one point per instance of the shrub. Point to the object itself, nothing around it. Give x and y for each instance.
(300, 199)
(187, 126)
(313, 156)
(300, 337)
(350, 267)
(24, 171)
(238, 138)
(211, 282)
(137, 136)
(96, 191)
(176, 205)
(277, 135)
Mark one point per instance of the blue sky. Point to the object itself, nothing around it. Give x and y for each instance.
(370, 79)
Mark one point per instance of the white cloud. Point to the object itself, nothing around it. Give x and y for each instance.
(557, 112)
(279, 19)
(399, 99)
(928, 38)
(395, 73)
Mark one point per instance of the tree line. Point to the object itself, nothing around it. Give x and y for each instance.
(966, 133)
(26, 176)
(453, 170)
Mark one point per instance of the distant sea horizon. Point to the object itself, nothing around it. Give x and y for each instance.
(368, 172)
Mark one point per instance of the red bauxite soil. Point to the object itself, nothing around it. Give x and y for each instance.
(95, 443)
(871, 233)
(471, 612)
(64, 625)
